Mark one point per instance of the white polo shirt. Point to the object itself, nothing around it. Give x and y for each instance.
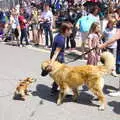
(48, 15)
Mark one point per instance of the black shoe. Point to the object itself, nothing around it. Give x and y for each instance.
(36, 45)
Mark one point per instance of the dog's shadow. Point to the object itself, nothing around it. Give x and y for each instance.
(87, 99)
(44, 92)
(107, 89)
(116, 106)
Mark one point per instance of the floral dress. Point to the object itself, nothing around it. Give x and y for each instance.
(94, 55)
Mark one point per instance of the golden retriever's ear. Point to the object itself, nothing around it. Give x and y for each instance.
(49, 68)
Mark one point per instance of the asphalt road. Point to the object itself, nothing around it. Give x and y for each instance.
(18, 63)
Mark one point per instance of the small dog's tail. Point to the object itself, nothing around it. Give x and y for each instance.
(108, 60)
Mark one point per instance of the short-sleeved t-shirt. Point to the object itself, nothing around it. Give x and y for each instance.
(22, 24)
(94, 39)
(59, 42)
(108, 33)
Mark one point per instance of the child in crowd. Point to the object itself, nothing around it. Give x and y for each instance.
(109, 31)
(93, 41)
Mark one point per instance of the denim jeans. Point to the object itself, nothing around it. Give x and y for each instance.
(48, 31)
(24, 35)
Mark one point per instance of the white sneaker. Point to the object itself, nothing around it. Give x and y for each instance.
(114, 94)
(113, 73)
(21, 46)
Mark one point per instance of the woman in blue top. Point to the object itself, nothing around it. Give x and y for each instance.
(57, 52)
(115, 37)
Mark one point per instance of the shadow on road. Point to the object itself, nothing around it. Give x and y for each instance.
(116, 106)
(107, 89)
(43, 92)
(86, 99)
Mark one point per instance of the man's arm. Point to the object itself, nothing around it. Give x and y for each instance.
(111, 40)
(57, 51)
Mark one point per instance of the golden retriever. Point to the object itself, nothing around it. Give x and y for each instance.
(22, 88)
(74, 76)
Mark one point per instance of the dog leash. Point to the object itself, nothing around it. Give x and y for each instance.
(81, 55)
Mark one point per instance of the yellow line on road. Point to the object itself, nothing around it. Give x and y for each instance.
(39, 49)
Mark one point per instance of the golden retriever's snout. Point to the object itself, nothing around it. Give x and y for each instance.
(44, 73)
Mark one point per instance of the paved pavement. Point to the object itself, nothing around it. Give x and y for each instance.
(17, 63)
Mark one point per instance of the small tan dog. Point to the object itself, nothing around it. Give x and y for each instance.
(72, 77)
(22, 88)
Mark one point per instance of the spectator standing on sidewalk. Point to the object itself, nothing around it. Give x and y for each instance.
(15, 25)
(34, 21)
(47, 19)
(72, 17)
(23, 22)
(40, 29)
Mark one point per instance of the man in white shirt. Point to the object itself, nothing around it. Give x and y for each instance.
(47, 19)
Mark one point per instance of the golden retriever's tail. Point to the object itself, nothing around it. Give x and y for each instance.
(108, 60)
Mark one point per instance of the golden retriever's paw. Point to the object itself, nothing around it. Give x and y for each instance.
(29, 93)
(101, 108)
(23, 98)
(59, 102)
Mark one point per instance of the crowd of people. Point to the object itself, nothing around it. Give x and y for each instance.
(97, 25)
